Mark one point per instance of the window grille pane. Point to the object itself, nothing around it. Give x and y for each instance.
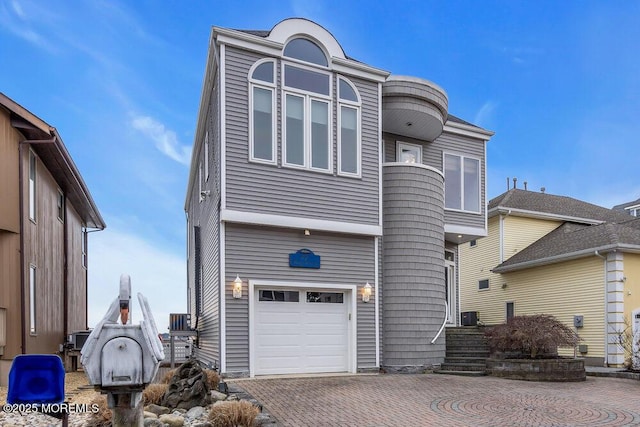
(264, 72)
(262, 124)
(306, 80)
(471, 185)
(305, 50)
(278, 296)
(347, 92)
(325, 297)
(348, 140)
(452, 182)
(319, 135)
(295, 130)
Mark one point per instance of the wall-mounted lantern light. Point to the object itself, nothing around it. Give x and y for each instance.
(366, 292)
(237, 287)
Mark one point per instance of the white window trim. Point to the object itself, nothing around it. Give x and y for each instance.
(33, 202)
(33, 327)
(488, 285)
(358, 107)
(206, 156)
(272, 88)
(307, 97)
(462, 157)
(352, 290)
(400, 145)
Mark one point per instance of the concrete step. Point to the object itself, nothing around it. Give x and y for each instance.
(463, 366)
(466, 360)
(461, 373)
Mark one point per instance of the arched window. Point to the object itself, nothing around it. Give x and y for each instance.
(349, 128)
(305, 50)
(262, 147)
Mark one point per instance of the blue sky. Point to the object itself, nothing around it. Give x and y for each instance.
(559, 83)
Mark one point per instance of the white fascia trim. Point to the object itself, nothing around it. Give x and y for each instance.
(380, 155)
(466, 130)
(354, 68)
(376, 300)
(223, 304)
(463, 229)
(205, 96)
(541, 215)
(566, 257)
(223, 129)
(255, 218)
(247, 41)
(415, 165)
(353, 330)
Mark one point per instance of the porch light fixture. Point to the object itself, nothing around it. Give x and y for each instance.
(237, 287)
(366, 292)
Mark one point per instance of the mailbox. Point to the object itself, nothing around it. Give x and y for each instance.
(121, 359)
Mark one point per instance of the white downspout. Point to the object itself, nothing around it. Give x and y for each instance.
(606, 317)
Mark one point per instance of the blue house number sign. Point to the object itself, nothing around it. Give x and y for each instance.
(304, 258)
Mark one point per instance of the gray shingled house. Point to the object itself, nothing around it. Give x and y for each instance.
(325, 205)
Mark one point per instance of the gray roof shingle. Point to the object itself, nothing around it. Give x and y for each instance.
(556, 205)
(587, 228)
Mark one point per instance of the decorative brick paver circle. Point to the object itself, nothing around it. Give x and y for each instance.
(445, 401)
(523, 409)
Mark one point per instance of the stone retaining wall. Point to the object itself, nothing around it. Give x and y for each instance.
(560, 369)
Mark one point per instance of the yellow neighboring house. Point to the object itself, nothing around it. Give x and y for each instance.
(560, 256)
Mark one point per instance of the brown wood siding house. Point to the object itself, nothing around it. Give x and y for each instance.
(45, 211)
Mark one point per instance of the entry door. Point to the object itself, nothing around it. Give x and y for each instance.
(301, 331)
(450, 286)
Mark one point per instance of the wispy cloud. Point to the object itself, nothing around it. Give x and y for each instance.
(164, 139)
(485, 114)
(20, 22)
(156, 273)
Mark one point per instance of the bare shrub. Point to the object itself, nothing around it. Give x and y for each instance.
(212, 378)
(535, 337)
(231, 414)
(154, 393)
(167, 377)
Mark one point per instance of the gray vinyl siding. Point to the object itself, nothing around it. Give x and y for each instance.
(262, 253)
(206, 215)
(414, 287)
(432, 154)
(277, 190)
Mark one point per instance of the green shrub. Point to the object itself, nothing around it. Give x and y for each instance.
(535, 337)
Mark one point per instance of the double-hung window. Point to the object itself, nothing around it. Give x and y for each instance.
(262, 131)
(349, 125)
(461, 183)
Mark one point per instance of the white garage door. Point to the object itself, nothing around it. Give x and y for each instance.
(301, 331)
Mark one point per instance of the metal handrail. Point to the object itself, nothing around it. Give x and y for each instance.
(444, 322)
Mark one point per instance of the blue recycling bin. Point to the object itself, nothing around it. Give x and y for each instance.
(36, 378)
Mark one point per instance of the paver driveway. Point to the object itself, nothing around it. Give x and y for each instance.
(444, 400)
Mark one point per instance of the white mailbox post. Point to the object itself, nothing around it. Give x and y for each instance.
(121, 359)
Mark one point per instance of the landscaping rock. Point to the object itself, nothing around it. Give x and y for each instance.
(187, 388)
(148, 414)
(216, 395)
(195, 412)
(157, 409)
(172, 420)
(152, 422)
